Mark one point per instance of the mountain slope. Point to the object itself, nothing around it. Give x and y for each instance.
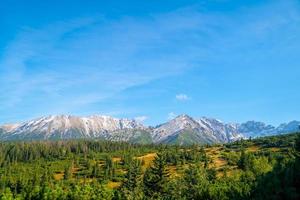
(66, 127)
(203, 130)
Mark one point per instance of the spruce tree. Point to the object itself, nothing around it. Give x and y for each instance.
(67, 173)
(131, 186)
(196, 183)
(132, 177)
(156, 177)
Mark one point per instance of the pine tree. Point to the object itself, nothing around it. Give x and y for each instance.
(196, 183)
(132, 177)
(242, 160)
(68, 172)
(156, 177)
(109, 169)
(131, 186)
(95, 170)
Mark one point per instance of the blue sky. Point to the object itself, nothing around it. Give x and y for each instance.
(150, 60)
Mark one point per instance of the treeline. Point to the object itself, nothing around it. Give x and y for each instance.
(87, 167)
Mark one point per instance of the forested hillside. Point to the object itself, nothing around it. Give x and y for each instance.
(263, 168)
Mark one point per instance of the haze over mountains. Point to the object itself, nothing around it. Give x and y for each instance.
(181, 130)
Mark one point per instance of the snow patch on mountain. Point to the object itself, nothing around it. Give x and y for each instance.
(67, 126)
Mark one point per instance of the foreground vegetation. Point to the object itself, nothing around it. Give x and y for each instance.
(264, 168)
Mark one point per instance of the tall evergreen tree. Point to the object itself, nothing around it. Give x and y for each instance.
(156, 177)
(131, 187)
(68, 172)
(196, 183)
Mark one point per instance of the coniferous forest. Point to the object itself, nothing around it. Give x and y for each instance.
(263, 168)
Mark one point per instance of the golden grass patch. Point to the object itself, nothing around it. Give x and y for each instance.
(219, 162)
(121, 171)
(252, 149)
(86, 180)
(116, 159)
(113, 185)
(173, 171)
(75, 170)
(59, 176)
(275, 149)
(147, 159)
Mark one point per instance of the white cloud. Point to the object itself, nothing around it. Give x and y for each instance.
(182, 97)
(141, 118)
(171, 115)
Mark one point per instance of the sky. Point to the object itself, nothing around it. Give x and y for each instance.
(234, 60)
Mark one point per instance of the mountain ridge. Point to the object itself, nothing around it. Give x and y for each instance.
(183, 129)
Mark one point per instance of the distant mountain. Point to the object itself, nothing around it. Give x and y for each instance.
(67, 127)
(258, 129)
(255, 129)
(186, 130)
(288, 127)
(181, 130)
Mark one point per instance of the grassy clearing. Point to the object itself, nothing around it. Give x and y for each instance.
(59, 176)
(147, 159)
(116, 159)
(253, 149)
(113, 185)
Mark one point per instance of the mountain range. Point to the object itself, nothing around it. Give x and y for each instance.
(181, 130)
